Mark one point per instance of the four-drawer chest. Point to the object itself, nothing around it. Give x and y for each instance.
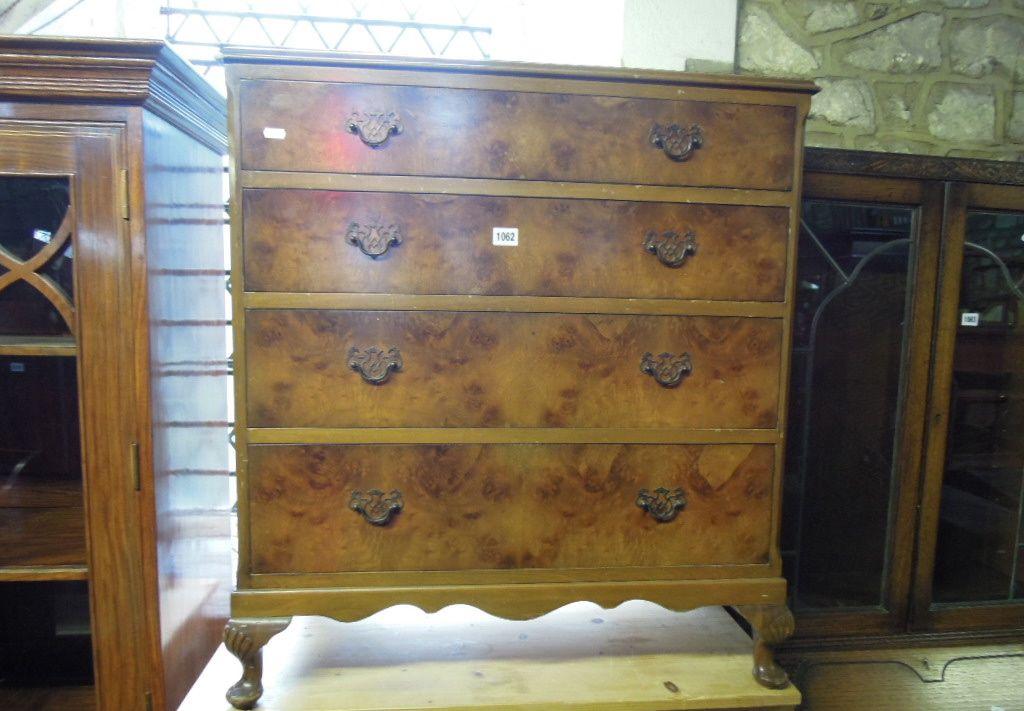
(508, 335)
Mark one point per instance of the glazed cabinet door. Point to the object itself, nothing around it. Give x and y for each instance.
(867, 259)
(971, 564)
(68, 528)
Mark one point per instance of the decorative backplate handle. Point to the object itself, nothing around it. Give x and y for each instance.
(376, 506)
(374, 364)
(662, 504)
(374, 239)
(677, 141)
(670, 247)
(374, 127)
(667, 368)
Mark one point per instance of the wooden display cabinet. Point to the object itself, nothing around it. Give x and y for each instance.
(904, 504)
(115, 555)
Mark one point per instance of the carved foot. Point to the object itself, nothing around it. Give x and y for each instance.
(245, 639)
(772, 625)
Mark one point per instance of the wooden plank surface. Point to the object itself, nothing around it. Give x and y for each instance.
(637, 657)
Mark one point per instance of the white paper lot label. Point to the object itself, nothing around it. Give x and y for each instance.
(970, 319)
(505, 237)
(276, 134)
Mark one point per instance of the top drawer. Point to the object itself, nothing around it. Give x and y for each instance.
(475, 133)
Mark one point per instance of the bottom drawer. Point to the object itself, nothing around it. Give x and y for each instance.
(497, 506)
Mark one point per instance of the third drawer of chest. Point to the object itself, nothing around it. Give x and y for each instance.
(313, 368)
(471, 244)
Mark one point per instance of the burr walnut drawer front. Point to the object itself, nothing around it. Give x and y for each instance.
(337, 508)
(313, 368)
(427, 131)
(438, 244)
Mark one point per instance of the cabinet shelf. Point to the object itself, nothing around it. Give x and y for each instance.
(51, 493)
(80, 698)
(42, 573)
(38, 346)
(42, 543)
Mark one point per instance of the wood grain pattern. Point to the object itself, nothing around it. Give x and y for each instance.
(517, 135)
(41, 493)
(42, 536)
(914, 677)
(509, 370)
(109, 426)
(588, 248)
(514, 506)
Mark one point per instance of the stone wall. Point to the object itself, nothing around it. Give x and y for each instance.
(940, 77)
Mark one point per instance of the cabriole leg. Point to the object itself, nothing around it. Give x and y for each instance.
(245, 639)
(772, 625)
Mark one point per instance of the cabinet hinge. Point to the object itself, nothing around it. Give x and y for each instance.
(149, 701)
(133, 462)
(123, 191)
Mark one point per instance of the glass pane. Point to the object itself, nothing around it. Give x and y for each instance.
(852, 272)
(32, 210)
(24, 311)
(979, 553)
(40, 462)
(46, 634)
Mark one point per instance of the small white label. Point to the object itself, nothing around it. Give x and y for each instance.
(42, 236)
(277, 134)
(970, 319)
(505, 237)
(17, 367)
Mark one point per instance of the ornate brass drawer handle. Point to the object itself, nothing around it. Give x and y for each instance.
(670, 247)
(663, 505)
(677, 141)
(374, 127)
(376, 506)
(667, 368)
(375, 364)
(374, 239)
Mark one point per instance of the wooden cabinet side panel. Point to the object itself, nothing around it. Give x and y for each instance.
(188, 386)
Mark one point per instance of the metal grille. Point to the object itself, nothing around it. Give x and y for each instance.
(441, 28)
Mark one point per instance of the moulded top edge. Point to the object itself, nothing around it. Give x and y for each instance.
(315, 58)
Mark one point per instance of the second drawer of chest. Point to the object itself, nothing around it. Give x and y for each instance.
(313, 368)
(337, 508)
(324, 241)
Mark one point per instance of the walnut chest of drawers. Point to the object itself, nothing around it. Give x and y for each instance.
(509, 336)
